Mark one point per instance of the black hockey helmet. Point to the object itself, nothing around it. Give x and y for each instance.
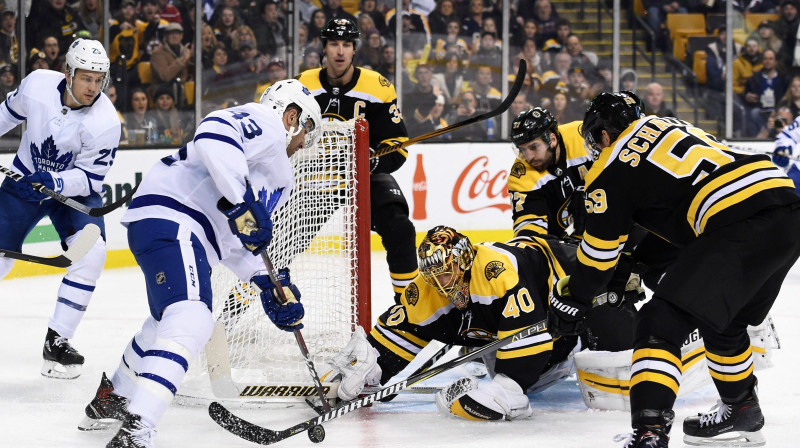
(531, 124)
(339, 29)
(612, 112)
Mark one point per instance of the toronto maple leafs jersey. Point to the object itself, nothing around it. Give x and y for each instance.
(78, 143)
(509, 289)
(230, 146)
(674, 180)
(540, 199)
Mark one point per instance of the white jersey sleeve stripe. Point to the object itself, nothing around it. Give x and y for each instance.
(13, 113)
(21, 168)
(219, 120)
(220, 138)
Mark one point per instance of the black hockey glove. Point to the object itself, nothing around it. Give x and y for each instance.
(565, 315)
(577, 211)
(286, 316)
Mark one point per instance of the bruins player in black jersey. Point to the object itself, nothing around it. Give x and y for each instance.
(345, 91)
(728, 212)
(470, 295)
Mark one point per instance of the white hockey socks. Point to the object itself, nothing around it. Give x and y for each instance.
(499, 399)
(357, 363)
(76, 289)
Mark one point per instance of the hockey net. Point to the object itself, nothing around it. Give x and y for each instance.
(322, 235)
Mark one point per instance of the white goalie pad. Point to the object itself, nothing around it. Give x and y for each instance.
(604, 377)
(499, 399)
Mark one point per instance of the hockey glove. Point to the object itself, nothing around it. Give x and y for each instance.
(357, 364)
(286, 316)
(565, 315)
(27, 186)
(249, 221)
(577, 211)
(779, 156)
(499, 399)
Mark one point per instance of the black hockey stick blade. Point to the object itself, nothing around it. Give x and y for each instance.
(69, 202)
(512, 94)
(76, 251)
(265, 436)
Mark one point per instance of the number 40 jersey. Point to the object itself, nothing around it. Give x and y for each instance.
(676, 181)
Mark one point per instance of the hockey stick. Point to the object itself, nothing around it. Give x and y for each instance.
(316, 433)
(91, 211)
(424, 367)
(512, 94)
(297, 335)
(85, 240)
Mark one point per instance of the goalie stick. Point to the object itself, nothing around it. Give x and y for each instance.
(512, 94)
(69, 202)
(85, 240)
(264, 436)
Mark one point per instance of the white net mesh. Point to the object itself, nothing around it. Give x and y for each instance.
(315, 236)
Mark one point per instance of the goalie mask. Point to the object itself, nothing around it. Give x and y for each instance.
(445, 258)
(283, 94)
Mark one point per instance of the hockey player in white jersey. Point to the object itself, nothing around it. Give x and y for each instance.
(69, 145)
(209, 203)
(785, 144)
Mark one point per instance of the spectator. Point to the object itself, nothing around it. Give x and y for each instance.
(370, 8)
(37, 60)
(762, 92)
(563, 109)
(717, 57)
(413, 39)
(786, 25)
(654, 101)
(111, 93)
(445, 12)
(333, 9)
(791, 98)
(629, 80)
(187, 13)
(318, 21)
(761, 6)
(369, 51)
(208, 42)
(8, 80)
(270, 32)
(53, 18)
(365, 25)
(563, 32)
(472, 23)
(124, 56)
(226, 25)
(584, 59)
(9, 45)
(173, 61)
(307, 8)
(140, 123)
(449, 82)
(528, 30)
(150, 29)
(546, 17)
(52, 50)
(216, 79)
(778, 119)
(419, 100)
(123, 19)
(766, 37)
(312, 59)
(452, 37)
(167, 119)
(276, 71)
(239, 16)
(414, 24)
(657, 11)
(519, 105)
(90, 17)
(748, 61)
(531, 56)
(387, 67)
(561, 65)
(466, 108)
(578, 88)
(489, 54)
(168, 12)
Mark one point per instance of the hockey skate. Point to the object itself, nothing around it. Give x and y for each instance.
(61, 360)
(107, 409)
(134, 433)
(737, 424)
(649, 436)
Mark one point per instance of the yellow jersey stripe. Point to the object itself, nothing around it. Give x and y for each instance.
(781, 182)
(391, 346)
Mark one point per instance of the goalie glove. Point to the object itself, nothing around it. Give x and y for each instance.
(249, 221)
(357, 363)
(499, 399)
(565, 315)
(286, 316)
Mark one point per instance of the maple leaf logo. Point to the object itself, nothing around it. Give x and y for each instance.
(47, 158)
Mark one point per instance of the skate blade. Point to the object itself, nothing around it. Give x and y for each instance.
(52, 369)
(102, 424)
(732, 439)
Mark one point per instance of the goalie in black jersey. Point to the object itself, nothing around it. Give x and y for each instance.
(344, 92)
(728, 212)
(470, 295)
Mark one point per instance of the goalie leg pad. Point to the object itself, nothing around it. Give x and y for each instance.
(357, 364)
(499, 399)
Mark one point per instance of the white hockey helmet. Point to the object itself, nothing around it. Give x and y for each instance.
(283, 94)
(88, 54)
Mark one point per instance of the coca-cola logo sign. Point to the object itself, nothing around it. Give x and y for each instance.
(478, 188)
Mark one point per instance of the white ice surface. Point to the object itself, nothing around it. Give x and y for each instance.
(38, 412)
